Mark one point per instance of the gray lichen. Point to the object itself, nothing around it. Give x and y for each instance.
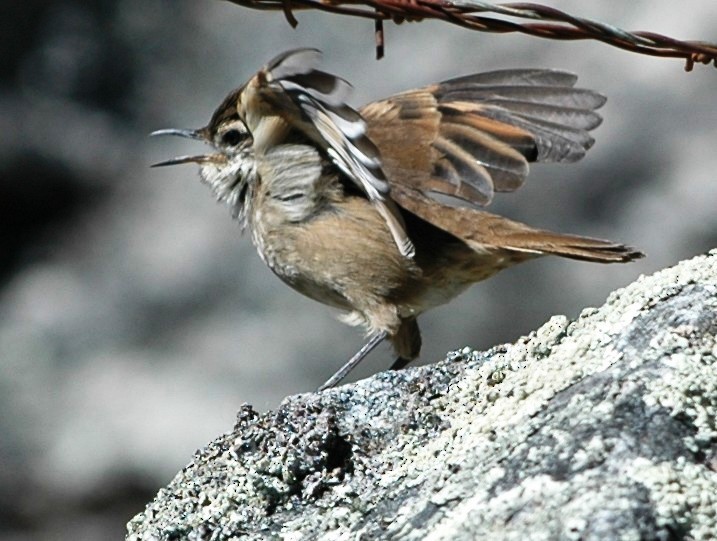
(599, 428)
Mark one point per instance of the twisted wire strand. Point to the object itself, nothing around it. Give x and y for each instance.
(550, 23)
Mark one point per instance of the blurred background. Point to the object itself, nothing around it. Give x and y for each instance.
(134, 318)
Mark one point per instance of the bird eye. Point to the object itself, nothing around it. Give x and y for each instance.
(232, 137)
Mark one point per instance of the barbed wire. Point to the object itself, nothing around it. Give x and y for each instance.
(554, 24)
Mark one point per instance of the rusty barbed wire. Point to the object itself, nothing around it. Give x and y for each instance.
(554, 24)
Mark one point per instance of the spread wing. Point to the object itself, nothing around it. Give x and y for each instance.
(470, 137)
(292, 92)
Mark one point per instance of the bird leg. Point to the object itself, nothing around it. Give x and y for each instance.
(406, 342)
(354, 361)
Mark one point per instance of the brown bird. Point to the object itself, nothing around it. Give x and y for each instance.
(376, 212)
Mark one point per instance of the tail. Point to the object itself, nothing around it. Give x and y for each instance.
(484, 231)
(535, 242)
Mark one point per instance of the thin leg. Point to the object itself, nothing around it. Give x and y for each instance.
(354, 361)
(407, 343)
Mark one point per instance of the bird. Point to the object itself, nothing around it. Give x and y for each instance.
(378, 211)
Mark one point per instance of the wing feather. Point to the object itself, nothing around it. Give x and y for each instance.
(522, 77)
(463, 167)
(561, 96)
(500, 120)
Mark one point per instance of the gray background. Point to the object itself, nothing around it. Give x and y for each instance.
(134, 319)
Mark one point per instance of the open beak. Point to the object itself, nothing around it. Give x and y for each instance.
(185, 159)
(199, 135)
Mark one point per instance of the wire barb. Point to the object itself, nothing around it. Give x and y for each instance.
(547, 22)
(288, 14)
(379, 39)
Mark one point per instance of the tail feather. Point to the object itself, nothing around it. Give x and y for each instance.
(484, 231)
(540, 242)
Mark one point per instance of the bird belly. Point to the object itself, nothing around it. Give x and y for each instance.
(343, 256)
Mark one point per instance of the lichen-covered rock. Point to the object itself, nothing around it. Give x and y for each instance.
(600, 428)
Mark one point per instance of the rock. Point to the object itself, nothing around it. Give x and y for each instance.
(598, 428)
